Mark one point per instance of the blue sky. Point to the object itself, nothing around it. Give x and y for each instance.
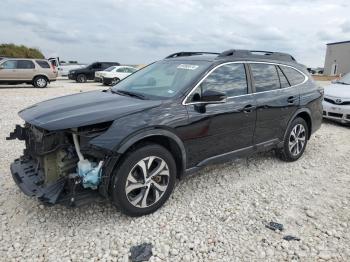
(144, 31)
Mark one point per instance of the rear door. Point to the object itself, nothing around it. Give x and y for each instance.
(25, 70)
(221, 128)
(94, 67)
(276, 102)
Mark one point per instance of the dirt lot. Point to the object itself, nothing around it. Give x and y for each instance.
(217, 214)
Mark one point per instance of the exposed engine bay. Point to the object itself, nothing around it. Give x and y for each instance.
(58, 165)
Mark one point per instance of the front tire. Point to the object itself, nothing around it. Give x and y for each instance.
(144, 180)
(295, 140)
(81, 78)
(40, 82)
(115, 81)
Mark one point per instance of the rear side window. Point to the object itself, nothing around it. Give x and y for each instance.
(25, 64)
(42, 64)
(265, 77)
(294, 77)
(121, 70)
(230, 79)
(130, 70)
(283, 79)
(96, 66)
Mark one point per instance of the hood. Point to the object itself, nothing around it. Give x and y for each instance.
(337, 91)
(83, 109)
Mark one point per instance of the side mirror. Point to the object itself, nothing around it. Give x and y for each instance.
(213, 97)
(1, 67)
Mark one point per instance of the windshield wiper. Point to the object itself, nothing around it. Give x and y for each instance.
(343, 83)
(128, 93)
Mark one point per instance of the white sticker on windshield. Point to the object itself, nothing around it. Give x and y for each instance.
(188, 67)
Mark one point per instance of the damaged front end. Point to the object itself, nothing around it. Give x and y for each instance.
(62, 166)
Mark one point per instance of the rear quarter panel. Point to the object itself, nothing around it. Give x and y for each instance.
(311, 96)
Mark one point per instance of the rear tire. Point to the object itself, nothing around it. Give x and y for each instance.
(295, 140)
(81, 78)
(144, 180)
(40, 82)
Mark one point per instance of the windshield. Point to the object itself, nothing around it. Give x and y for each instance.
(163, 79)
(344, 80)
(109, 69)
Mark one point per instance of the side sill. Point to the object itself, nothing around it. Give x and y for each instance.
(229, 156)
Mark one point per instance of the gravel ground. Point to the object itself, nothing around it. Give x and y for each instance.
(217, 214)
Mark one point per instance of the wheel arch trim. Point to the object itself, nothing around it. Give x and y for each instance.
(44, 75)
(298, 112)
(136, 137)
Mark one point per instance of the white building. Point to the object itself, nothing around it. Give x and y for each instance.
(337, 58)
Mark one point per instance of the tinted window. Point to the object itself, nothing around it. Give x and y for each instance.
(283, 79)
(121, 70)
(106, 65)
(294, 77)
(10, 64)
(109, 69)
(25, 64)
(265, 77)
(96, 66)
(230, 79)
(42, 64)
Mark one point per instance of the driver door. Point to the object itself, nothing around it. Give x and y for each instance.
(222, 128)
(8, 70)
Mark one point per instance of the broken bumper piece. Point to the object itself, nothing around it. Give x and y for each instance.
(29, 180)
(19, 133)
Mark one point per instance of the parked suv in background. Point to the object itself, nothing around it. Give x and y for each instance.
(37, 72)
(88, 73)
(169, 119)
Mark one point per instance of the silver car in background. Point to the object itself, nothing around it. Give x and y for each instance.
(336, 103)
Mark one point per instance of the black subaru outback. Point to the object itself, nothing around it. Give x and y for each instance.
(129, 143)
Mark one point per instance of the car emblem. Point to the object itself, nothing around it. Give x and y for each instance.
(338, 101)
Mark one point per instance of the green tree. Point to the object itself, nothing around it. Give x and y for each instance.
(19, 51)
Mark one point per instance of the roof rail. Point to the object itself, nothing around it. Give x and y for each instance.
(178, 54)
(257, 54)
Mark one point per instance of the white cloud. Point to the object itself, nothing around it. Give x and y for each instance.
(143, 31)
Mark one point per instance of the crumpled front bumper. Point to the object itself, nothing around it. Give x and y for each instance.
(30, 181)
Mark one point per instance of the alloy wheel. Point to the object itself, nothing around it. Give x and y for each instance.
(115, 81)
(147, 182)
(41, 82)
(297, 139)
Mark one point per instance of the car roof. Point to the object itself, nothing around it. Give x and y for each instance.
(233, 55)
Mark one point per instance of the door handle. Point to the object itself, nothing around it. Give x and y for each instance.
(291, 99)
(248, 108)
